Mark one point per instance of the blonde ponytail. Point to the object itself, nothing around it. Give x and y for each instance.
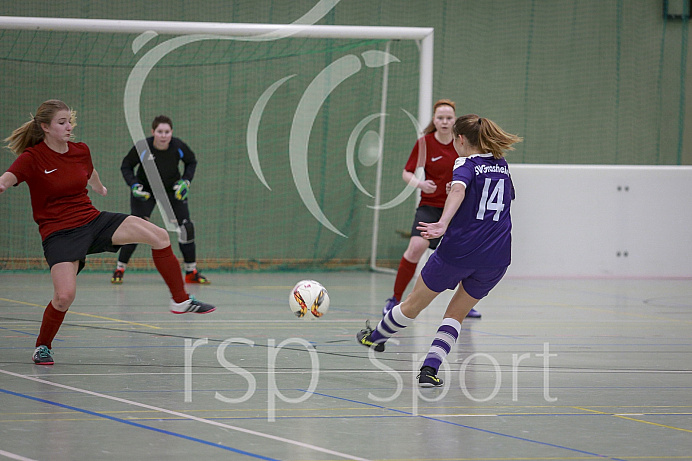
(31, 132)
(485, 134)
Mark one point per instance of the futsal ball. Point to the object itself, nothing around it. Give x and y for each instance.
(309, 299)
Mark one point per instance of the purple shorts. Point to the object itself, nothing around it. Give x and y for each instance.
(440, 276)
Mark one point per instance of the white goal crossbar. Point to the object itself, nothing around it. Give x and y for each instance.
(257, 32)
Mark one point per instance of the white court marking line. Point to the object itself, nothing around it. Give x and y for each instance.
(186, 416)
(360, 372)
(7, 454)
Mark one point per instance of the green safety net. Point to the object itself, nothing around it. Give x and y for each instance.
(585, 82)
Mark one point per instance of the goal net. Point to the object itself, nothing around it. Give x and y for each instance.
(300, 132)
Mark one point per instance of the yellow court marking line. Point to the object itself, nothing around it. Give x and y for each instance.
(20, 302)
(86, 315)
(635, 420)
(117, 320)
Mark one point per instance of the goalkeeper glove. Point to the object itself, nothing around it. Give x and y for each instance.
(139, 193)
(181, 188)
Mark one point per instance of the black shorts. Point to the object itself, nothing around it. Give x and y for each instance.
(144, 208)
(427, 213)
(74, 244)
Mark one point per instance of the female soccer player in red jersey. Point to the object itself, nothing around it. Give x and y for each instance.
(57, 172)
(435, 153)
(476, 249)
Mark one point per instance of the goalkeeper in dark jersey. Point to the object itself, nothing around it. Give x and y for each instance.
(168, 152)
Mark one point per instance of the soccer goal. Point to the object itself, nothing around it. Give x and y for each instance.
(301, 131)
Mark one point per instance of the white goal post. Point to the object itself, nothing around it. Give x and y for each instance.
(258, 32)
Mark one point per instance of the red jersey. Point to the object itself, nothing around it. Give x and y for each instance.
(57, 184)
(438, 163)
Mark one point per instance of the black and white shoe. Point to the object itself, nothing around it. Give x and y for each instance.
(363, 337)
(191, 305)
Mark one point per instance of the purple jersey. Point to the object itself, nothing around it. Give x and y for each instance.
(479, 234)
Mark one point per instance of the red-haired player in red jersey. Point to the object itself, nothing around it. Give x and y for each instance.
(435, 153)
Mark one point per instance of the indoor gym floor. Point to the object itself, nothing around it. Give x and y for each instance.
(555, 370)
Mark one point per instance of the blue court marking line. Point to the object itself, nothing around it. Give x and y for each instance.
(187, 417)
(26, 333)
(523, 439)
(141, 426)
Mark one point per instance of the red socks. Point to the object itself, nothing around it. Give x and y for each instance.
(169, 268)
(404, 274)
(52, 319)
(167, 265)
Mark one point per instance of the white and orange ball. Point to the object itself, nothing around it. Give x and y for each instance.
(309, 299)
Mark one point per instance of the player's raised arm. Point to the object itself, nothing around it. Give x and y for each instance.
(7, 180)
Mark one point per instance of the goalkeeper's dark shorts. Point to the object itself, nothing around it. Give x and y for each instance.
(70, 245)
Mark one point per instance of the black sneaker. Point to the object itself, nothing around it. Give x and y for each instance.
(192, 305)
(428, 378)
(43, 356)
(363, 337)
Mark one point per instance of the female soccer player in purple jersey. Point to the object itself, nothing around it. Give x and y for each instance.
(476, 249)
